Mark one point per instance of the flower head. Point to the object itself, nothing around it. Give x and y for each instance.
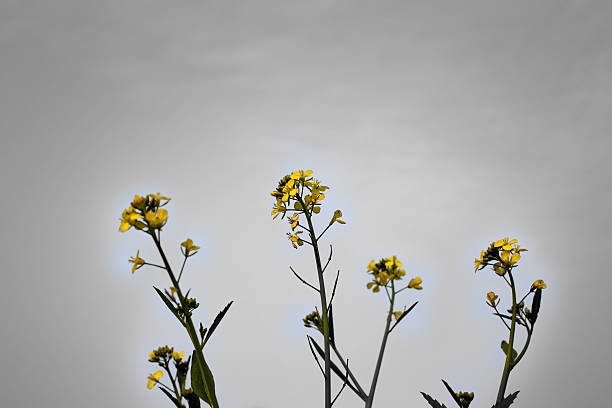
(137, 261)
(539, 284)
(187, 247)
(415, 283)
(295, 239)
(178, 356)
(156, 219)
(129, 219)
(383, 272)
(154, 379)
(491, 298)
(313, 320)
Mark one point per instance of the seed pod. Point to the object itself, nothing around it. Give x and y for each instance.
(535, 306)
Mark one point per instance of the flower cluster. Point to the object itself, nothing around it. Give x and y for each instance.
(387, 270)
(163, 356)
(144, 213)
(314, 320)
(502, 255)
(300, 194)
(465, 398)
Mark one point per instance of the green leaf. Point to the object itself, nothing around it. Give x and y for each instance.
(335, 368)
(203, 383)
(504, 347)
(505, 403)
(432, 402)
(192, 399)
(454, 395)
(535, 306)
(216, 322)
(168, 303)
(403, 315)
(172, 398)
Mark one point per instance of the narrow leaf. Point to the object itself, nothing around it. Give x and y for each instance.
(203, 383)
(505, 403)
(503, 316)
(432, 402)
(168, 303)
(172, 398)
(450, 390)
(403, 315)
(216, 322)
(335, 368)
(535, 306)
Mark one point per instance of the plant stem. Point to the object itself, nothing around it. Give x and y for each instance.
(382, 349)
(508, 364)
(189, 323)
(315, 248)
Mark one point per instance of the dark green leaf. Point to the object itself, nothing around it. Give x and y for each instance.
(335, 369)
(432, 402)
(192, 399)
(168, 303)
(505, 403)
(535, 306)
(504, 316)
(450, 390)
(203, 383)
(504, 347)
(172, 398)
(403, 315)
(216, 322)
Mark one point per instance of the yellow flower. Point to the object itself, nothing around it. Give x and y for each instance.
(479, 262)
(294, 220)
(371, 266)
(301, 174)
(505, 243)
(336, 218)
(491, 298)
(129, 219)
(295, 239)
(137, 261)
(389, 262)
(278, 208)
(156, 219)
(189, 247)
(157, 198)
(139, 202)
(153, 379)
(152, 356)
(415, 283)
(397, 315)
(499, 269)
(178, 356)
(539, 284)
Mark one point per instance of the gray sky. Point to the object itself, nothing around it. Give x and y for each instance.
(439, 126)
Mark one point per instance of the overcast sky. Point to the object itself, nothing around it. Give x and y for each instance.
(439, 127)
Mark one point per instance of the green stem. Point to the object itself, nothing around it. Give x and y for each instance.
(508, 364)
(176, 391)
(315, 248)
(382, 349)
(189, 323)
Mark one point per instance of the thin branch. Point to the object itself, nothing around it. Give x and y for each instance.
(157, 266)
(303, 281)
(343, 385)
(321, 234)
(363, 394)
(330, 257)
(387, 290)
(182, 267)
(333, 291)
(500, 316)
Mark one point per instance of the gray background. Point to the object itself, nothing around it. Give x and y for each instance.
(440, 126)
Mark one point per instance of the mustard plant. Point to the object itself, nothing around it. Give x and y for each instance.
(502, 257)
(299, 197)
(145, 214)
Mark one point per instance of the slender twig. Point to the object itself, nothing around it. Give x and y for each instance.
(321, 234)
(363, 395)
(502, 319)
(508, 364)
(303, 281)
(383, 344)
(343, 385)
(333, 291)
(151, 264)
(328, 259)
(182, 267)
